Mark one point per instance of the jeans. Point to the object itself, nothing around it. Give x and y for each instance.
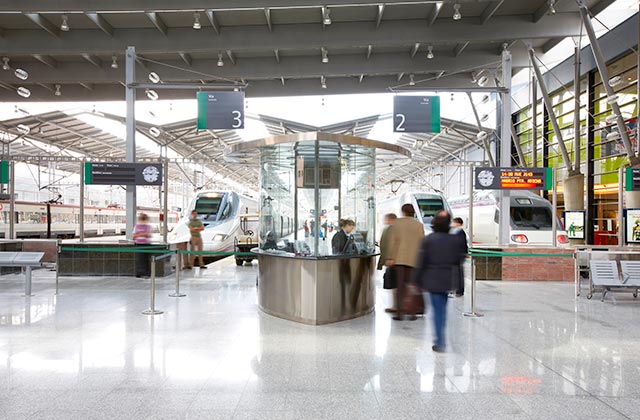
(143, 266)
(439, 305)
(196, 245)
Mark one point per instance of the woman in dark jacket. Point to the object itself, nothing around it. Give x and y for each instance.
(439, 262)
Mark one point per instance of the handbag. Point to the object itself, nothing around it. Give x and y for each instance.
(389, 279)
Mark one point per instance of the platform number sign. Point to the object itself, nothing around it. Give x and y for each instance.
(4, 172)
(416, 114)
(220, 110)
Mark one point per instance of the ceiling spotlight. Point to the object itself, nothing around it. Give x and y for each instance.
(326, 16)
(65, 24)
(196, 21)
(480, 78)
(612, 99)
(23, 129)
(615, 81)
(325, 55)
(57, 92)
(152, 94)
(153, 77)
(482, 135)
(412, 81)
(154, 131)
(23, 91)
(611, 119)
(430, 52)
(613, 136)
(323, 82)
(21, 74)
(5, 64)
(485, 99)
(484, 118)
(220, 62)
(114, 62)
(552, 9)
(456, 12)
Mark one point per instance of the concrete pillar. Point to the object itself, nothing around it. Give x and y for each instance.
(504, 235)
(130, 144)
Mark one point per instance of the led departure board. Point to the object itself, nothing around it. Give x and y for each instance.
(116, 173)
(513, 178)
(633, 179)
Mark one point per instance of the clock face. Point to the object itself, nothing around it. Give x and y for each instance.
(485, 178)
(150, 174)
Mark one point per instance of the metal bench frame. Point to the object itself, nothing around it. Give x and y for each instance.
(28, 260)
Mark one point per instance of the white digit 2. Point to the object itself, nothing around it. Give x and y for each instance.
(400, 126)
(237, 122)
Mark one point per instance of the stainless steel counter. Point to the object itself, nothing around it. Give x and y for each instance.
(316, 290)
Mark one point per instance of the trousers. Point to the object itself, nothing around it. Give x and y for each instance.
(196, 245)
(439, 306)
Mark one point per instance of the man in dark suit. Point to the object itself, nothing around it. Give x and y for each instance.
(439, 260)
(457, 230)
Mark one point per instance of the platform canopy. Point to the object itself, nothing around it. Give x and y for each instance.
(276, 48)
(70, 137)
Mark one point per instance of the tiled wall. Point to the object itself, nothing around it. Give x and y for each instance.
(527, 268)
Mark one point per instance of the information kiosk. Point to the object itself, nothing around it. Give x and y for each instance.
(311, 186)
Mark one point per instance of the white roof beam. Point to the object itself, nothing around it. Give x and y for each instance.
(101, 23)
(490, 10)
(435, 12)
(460, 48)
(379, 15)
(186, 58)
(39, 20)
(46, 60)
(415, 49)
(157, 21)
(95, 60)
(213, 20)
(267, 16)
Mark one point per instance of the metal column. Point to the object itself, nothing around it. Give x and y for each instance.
(81, 215)
(576, 111)
(534, 124)
(130, 146)
(552, 115)
(505, 147)
(12, 199)
(590, 181)
(165, 204)
(604, 74)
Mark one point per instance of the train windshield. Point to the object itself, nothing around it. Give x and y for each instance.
(531, 217)
(208, 207)
(430, 206)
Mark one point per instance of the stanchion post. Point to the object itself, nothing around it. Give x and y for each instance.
(152, 307)
(177, 292)
(576, 270)
(473, 313)
(27, 281)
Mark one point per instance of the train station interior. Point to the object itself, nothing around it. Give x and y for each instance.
(195, 200)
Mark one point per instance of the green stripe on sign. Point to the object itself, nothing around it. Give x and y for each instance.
(202, 110)
(435, 114)
(88, 178)
(4, 172)
(548, 179)
(628, 179)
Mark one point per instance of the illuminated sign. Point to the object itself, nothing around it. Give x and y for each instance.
(416, 114)
(4, 172)
(513, 178)
(633, 179)
(104, 173)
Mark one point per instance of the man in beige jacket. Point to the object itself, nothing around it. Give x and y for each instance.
(404, 244)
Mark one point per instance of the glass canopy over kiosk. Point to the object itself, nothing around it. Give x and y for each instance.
(311, 186)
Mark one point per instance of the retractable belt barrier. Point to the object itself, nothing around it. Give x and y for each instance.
(154, 249)
(475, 252)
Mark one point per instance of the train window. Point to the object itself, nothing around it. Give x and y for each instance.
(226, 211)
(430, 206)
(208, 207)
(531, 217)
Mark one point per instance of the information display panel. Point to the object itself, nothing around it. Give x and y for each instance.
(117, 173)
(574, 223)
(633, 226)
(220, 110)
(416, 114)
(513, 178)
(4, 172)
(632, 179)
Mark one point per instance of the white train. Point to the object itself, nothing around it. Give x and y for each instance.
(61, 221)
(220, 213)
(531, 218)
(425, 205)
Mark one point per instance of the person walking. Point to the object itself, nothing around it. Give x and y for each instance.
(404, 242)
(142, 238)
(389, 282)
(439, 260)
(457, 230)
(195, 227)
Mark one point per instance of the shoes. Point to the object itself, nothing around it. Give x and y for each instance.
(188, 267)
(203, 267)
(391, 310)
(413, 318)
(398, 318)
(459, 294)
(438, 349)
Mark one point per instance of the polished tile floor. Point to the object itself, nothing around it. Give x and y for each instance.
(89, 354)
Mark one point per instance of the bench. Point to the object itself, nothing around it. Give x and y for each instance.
(28, 260)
